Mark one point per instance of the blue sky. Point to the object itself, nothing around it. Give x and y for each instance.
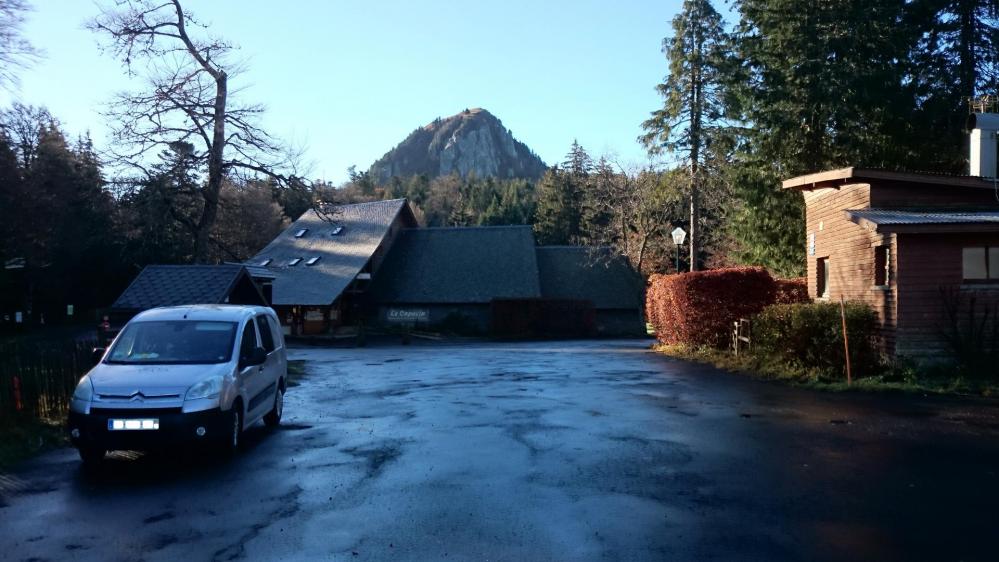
(349, 80)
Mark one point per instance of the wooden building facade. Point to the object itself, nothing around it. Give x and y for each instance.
(910, 245)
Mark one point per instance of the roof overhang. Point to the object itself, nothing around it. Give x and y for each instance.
(941, 226)
(852, 175)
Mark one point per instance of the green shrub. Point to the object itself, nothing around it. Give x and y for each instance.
(810, 336)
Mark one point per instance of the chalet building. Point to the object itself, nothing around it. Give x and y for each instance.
(451, 276)
(904, 243)
(597, 276)
(372, 265)
(322, 265)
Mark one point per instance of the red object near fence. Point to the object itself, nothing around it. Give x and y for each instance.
(18, 405)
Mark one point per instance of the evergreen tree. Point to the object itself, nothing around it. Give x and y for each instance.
(818, 86)
(693, 104)
(557, 217)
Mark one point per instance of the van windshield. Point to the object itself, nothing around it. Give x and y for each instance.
(174, 342)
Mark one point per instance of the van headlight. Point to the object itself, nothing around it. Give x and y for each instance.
(84, 390)
(208, 388)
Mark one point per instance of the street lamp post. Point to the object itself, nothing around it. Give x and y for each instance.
(678, 236)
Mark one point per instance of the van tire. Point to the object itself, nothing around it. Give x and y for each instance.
(273, 418)
(92, 457)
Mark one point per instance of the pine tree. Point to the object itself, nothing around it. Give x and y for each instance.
(693, 104)
(557, 215)
(819, 86)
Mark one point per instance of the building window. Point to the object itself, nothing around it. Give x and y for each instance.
(980, 264)
(294, 261)
(882, 265)
(266, 262)
(312, 261)
(822, 277)
(337, 230)
(301, 232)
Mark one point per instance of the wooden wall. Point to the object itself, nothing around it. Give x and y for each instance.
(930, 264)
(849, 249)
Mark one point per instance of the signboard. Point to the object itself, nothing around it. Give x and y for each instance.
(408, 315)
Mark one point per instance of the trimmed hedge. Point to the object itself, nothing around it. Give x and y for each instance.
(791, 291)
(810, 336)
(698, 308)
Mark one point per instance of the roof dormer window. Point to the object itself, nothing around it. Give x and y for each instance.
(294, 261)
(301, 232)
(266, 262)
(336, 231)
(312, 261)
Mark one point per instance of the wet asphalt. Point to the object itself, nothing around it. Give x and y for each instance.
(537, 451)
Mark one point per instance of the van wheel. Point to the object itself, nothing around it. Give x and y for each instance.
(235, 435)
(91, 456)
(273, 418)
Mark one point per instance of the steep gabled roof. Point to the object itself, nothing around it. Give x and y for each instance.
(586, 273)
(342, 253)
(174, 285)
(459, 265)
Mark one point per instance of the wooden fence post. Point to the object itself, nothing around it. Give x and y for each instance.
(846, 340)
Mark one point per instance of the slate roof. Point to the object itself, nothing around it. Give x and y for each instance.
(895, 217)
(257, 272)
(462, 265)
(341, 256)
(174, 285)
(586, 273)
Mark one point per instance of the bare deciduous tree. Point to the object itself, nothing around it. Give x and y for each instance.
(187, 99)
(16, 53)
(637, 207)
(23, 125)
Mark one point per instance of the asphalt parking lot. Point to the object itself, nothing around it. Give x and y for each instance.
(537, 451)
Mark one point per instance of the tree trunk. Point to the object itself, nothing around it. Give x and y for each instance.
(211, 193)
(696, 110)
(966, 48)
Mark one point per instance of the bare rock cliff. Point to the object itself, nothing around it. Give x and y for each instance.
(473, 141)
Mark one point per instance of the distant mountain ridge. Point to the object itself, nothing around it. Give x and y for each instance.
(471, 141)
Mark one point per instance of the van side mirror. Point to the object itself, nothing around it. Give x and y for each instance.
(256, 357)
(97, 354)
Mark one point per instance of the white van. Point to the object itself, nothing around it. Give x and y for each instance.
(182, 374)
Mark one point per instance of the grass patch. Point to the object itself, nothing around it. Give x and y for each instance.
(898, 378)
(21, 438)
(296, 372)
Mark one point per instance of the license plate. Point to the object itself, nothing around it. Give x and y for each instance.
(133, 425)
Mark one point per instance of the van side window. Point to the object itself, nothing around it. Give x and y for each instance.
(276, 331)
(248, 342)
(266, 337)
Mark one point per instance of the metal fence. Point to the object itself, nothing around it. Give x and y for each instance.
(37, 379)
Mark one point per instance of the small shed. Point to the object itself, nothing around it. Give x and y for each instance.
(910, 245)
(176, 285)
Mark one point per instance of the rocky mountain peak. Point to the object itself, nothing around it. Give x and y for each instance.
(473, 141)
